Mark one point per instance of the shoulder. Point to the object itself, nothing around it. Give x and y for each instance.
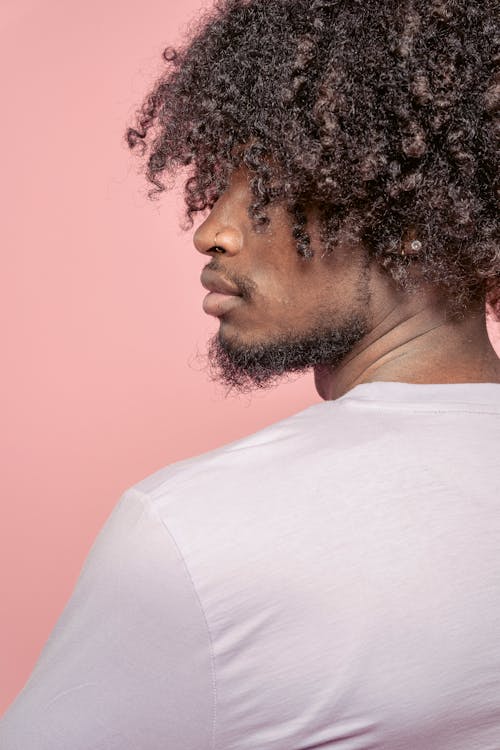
(244, 453)
(322, 432)
(242, 486)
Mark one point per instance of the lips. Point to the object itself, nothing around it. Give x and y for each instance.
(215, 283)
(222, 297)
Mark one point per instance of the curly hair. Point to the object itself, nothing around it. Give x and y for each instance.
(382, 113)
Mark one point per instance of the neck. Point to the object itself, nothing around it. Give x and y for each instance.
(422, 346)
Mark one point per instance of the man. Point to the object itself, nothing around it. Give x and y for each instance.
(333, 580)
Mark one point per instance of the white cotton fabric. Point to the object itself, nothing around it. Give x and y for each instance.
(331, 581)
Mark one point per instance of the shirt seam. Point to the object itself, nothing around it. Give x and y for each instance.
(145, 497)
(421, 409)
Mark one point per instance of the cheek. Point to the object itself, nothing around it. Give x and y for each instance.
(278, 298)
(276, 307)
(281, 284)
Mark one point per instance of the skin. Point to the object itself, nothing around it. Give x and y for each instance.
(409, 337)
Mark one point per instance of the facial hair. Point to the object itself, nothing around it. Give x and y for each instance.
(244, 368)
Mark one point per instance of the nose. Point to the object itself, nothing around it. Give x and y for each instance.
(215, 236)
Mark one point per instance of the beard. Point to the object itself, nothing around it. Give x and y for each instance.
(247, 367)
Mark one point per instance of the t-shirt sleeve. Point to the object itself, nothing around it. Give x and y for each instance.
(128, 664)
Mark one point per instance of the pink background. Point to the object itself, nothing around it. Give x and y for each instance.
(101, 384)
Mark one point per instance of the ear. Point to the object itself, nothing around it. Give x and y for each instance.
(411, 244)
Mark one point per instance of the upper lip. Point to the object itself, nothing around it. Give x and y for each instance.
(214, 283)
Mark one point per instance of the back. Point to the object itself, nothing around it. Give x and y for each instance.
(336, 584)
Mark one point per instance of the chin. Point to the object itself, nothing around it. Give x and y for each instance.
(240, 335)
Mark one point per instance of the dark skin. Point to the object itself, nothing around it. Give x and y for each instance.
(408, 339)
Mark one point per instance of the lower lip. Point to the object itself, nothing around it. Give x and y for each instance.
(217, 304)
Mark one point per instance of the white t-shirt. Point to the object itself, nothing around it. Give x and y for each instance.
(331, 581)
